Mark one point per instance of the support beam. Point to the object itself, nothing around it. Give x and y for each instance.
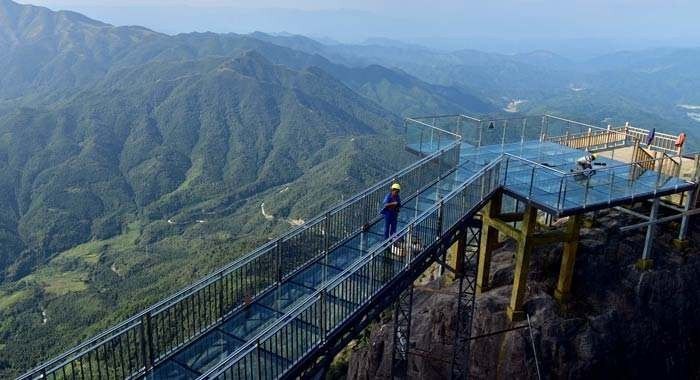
(468, 250)
(511, 216)
(549, 237)
(522, 265)
(566, 271)
(455, 254)
(646, 262)
(489, 241)
(504, 227)
(682, 241)
(660, 220)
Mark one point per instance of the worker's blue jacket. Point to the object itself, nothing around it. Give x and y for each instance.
(389, 211)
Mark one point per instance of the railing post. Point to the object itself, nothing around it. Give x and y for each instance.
(440, 216)
(221, 296)
(257, 350)
(588, 140)
(481, 133)
(405, 130)
(149, 359)
(278, 255)
(411, 242)
(658, 174)
(322, 322)
(503, 139)
(420, 141)
(327, 229)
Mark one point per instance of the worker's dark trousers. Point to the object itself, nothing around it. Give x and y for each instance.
(390, 225)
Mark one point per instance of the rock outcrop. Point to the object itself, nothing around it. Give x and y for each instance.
(620, 322)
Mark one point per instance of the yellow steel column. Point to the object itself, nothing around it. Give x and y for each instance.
(522, 263)
(566, 272)
(489, 241)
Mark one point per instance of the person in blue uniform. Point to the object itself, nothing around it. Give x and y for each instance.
(390, 210)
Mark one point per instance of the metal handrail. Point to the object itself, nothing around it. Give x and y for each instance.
(576, 122)
(434, 127)
(253, 343)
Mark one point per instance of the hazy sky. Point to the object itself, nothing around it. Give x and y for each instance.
(624, 23)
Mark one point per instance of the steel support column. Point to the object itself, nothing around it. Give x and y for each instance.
(646, 262)
(566, 271)
(402, 333)
(682, 240)
(467, 266)
(489, 240)
(522, 265)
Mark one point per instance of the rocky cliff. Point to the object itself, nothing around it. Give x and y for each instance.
(620, 323)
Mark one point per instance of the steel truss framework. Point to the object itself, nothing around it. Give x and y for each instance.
(317, 361)
(402, 333)
(467, 265)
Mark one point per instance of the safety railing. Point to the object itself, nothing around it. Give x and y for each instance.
(662, 141)
(282, 345)
(591, 140)
(559, 127)
(559, 191)
(500, 131)
(480, 132)
(424, 131)
(670, 165)
(147, 338)
(564, 193)
(424, 138)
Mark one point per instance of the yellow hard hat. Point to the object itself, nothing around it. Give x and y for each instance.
(395, 186)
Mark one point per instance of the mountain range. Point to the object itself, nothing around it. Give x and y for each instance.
(133, 162)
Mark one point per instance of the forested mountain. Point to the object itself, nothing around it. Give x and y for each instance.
(649, 88)
(133, 162)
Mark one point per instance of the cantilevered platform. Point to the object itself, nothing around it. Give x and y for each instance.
(540, 171)
(542, 175)
(287, 307)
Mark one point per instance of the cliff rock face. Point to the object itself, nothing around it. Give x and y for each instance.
(620, 322)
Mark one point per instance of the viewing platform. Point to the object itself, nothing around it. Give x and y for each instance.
(286, 308)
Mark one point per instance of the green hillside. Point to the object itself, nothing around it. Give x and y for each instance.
(150, 171)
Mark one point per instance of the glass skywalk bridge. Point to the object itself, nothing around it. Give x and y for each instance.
(245, 326)
(186, 333)
(275, 311)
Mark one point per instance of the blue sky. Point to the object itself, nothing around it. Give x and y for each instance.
(506, 23)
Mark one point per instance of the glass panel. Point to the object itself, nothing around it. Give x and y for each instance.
(208, 351)
(250, 321)
(171, 371)
(315, 275)
(285, 296)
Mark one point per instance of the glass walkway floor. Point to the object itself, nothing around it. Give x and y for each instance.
(543, 173)
(210, 349)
